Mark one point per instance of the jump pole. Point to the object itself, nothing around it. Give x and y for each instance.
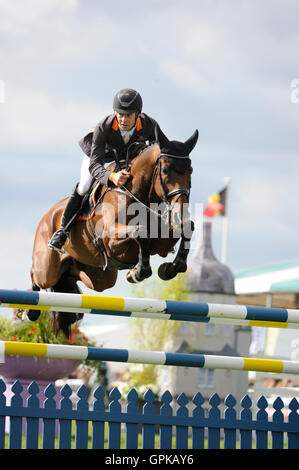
(124, 306)
(162, 316)
(147, 357)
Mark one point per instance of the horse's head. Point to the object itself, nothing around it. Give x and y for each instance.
(172, 179)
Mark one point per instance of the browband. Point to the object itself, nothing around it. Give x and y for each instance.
(173, 156)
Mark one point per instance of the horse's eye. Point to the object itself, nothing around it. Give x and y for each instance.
(165, 170)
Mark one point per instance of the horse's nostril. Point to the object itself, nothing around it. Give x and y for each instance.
(188, 228)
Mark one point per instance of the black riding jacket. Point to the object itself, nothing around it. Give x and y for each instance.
(106, 136)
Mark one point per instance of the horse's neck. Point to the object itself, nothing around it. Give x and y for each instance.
(142, 170)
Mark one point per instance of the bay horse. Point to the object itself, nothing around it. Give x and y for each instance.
(108, 239)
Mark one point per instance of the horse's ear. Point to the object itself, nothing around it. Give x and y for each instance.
(191, 142)
(156, 133)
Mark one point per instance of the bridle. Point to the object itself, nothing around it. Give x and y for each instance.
(166, 196)
(175, 192)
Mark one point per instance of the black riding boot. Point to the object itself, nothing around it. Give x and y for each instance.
(60, 237)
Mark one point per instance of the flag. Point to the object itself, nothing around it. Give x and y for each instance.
(216, 204)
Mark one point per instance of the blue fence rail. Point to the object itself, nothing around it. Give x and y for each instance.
(196, 428)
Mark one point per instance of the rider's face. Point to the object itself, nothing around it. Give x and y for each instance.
(126, 121)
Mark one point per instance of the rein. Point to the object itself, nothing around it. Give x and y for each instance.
(166, 195)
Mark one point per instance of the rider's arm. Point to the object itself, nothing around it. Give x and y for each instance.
(120, 178)
(97, 157)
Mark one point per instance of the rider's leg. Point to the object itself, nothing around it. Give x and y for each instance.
(85, 177)
(72, 207)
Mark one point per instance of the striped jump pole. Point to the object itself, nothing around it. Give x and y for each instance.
(146, 357)
(169, 309)
(163, 316)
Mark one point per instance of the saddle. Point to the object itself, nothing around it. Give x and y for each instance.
(92, 200)
(87, 212)
(96, 193)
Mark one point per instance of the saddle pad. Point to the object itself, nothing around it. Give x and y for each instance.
(89, 207)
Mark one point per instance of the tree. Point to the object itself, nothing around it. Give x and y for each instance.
(152, 334)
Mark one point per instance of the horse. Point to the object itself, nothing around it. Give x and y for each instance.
(107, 239)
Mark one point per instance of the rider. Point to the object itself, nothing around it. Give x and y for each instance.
(108, 142)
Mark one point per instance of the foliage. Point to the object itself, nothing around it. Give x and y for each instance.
(41, 331)
(151, 334)
(175, 289)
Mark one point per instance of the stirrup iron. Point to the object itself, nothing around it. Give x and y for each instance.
(61, 251)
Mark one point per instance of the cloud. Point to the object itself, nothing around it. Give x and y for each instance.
(256, 198)
(15, 254)
(235, 43)
(32, 118)
(20, 16)
(185, 76)
(44, 38)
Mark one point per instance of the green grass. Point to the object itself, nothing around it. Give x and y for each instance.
(123, 440)
(73, 440)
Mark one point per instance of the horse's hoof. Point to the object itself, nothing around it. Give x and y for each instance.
(32, 315)
(22, 315)
(181, 267)
(164, 271)
(146, 272)
(134, 275)
(168, 271)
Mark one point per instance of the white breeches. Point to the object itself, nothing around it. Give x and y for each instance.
(85, 177)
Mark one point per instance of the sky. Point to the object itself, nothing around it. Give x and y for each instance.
(227, 68)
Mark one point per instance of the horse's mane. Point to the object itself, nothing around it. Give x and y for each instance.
(173, 153)
(148, 155)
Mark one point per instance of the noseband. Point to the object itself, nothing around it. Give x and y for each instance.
(175, 192)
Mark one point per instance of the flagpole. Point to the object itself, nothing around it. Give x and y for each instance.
(227, 181)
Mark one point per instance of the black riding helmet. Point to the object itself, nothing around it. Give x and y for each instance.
(127, 101)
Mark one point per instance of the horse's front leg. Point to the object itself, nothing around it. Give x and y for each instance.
(142, 270)
(168, 271)
(129, 244)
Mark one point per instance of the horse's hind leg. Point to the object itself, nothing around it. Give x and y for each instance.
(45, 278)
(47, 266)
(62, 320)
(67, 282)
(31, 314)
